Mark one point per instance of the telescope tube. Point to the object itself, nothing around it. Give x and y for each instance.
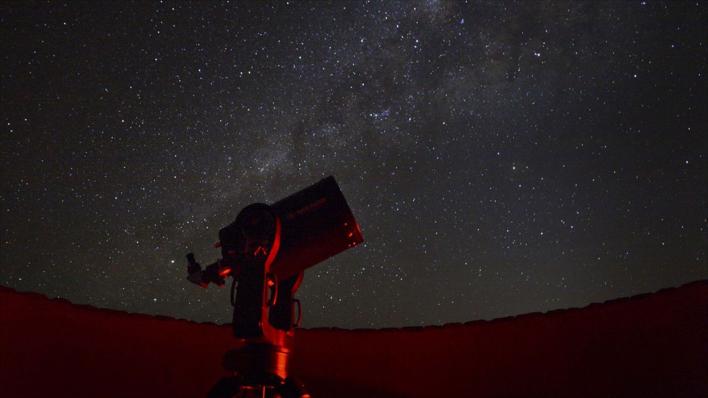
(316, 224)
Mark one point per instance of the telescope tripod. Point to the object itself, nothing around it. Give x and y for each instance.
(260, 367)
(259, 371)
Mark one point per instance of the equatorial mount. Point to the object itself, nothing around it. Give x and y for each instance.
(266, 251)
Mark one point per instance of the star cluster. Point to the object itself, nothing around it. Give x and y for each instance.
(501, 157)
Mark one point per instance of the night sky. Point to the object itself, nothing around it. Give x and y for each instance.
(501, 158)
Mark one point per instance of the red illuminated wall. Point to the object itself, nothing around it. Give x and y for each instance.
(648, 346)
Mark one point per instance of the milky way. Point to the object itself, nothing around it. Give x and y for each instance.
(501, 158)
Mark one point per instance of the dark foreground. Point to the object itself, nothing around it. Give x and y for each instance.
(647, 346)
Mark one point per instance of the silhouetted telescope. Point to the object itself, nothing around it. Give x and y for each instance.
(301, 230)
(315, 224)
(266, 250)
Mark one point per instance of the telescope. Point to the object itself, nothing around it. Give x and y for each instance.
(266, 251)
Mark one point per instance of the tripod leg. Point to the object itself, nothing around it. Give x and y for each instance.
(225, 388)
(293, 388)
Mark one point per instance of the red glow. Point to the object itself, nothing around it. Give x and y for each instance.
(224, 271)
(53, 341)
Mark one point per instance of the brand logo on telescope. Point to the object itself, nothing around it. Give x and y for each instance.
(307, 209)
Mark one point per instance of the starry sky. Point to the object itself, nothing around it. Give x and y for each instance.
(501, 157)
